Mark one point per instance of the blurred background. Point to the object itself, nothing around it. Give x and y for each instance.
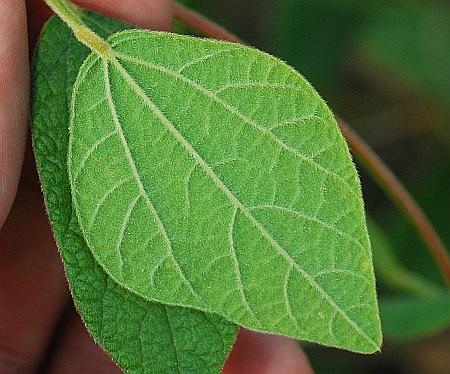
(384, 66)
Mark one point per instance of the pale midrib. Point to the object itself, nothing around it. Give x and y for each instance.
(137, 178)
(233, 199)
(243, 117)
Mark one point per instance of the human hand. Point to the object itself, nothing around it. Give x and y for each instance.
(33, 290)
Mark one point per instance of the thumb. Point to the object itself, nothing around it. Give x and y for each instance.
(14, 83)
(154, 14)
(256, 353)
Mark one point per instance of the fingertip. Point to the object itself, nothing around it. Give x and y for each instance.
(14, 99)
(77, 352)
(154, 14)
(256, 353)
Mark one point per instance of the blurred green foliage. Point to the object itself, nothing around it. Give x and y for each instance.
(392, 275)
(413, 307)
(315, 36)
(409, 317)
(410, 40)
(431, 188)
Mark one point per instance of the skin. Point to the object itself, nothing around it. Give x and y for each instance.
(33, 289)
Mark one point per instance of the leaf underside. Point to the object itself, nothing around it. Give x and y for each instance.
(211, 175)
(141, 336)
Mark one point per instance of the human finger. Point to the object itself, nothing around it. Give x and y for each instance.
(14, 96)
(256, 353)
(77, 352)
(155, 14)
(33, 291)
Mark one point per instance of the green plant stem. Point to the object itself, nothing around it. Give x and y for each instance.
(71, 15)
(381, 174)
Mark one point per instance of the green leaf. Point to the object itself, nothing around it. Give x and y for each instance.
(408, 317)
(212, 175)
(141, 336)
